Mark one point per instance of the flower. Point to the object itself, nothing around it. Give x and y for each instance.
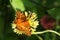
(25, 23)
(47, 22)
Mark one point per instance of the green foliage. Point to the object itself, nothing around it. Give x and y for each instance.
(1, 27)
(33, 37)
(55, 12)
(17, 4)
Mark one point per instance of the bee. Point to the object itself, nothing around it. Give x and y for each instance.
(22, 24)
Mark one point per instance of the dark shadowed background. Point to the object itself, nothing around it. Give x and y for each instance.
(41, 7)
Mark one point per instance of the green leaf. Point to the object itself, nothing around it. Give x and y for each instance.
(55, 12)
(17, 4)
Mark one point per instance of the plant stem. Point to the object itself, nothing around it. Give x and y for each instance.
(46, 32)
(40, 38)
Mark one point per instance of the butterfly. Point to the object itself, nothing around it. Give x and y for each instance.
(22, 24)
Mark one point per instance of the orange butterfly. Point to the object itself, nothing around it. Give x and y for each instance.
(22, 24)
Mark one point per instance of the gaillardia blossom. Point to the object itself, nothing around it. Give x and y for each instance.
(47, 22)
(25, 23)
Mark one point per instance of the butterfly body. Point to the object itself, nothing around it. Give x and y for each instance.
(22, 24)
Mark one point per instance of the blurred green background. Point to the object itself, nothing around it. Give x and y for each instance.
(41, 7)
